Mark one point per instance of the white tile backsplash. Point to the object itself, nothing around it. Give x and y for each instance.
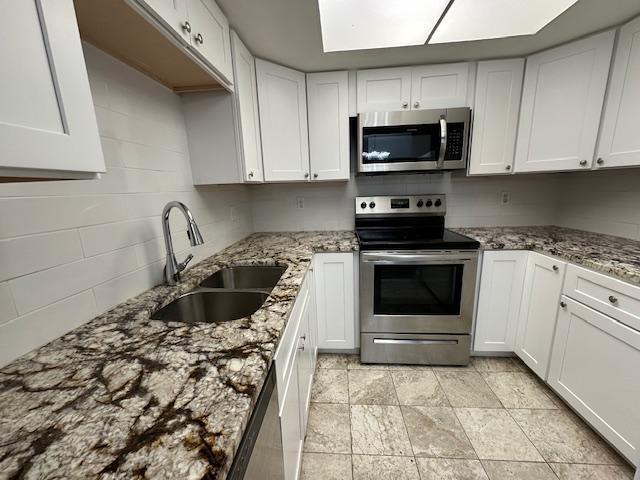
(470, 201)
(603, 201)
(70, 250)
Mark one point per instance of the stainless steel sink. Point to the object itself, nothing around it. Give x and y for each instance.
(245, 277)
(211, 306)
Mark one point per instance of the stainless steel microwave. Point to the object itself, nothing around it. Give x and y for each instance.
(418, 140)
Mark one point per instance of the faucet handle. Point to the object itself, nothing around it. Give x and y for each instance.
(183, 265)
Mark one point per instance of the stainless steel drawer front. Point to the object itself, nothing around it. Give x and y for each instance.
(415, 349)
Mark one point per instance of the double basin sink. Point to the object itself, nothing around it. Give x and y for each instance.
(228, 294)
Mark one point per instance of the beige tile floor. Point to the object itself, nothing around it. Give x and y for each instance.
(492, 420)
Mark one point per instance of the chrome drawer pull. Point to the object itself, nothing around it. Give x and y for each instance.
(393, 341)
(613, 299)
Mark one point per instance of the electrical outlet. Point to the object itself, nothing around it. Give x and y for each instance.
(505, 198)
(300, 202)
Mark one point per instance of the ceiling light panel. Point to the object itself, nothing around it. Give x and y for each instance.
(469, 20)
(364, 24)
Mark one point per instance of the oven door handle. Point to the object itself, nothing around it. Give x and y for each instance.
(400, 258)
(395, 341)
(443, 141)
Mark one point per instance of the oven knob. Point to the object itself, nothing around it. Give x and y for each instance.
(372, 205)
(420, 203)
(429, 203)
(363, 205)
(438, 203)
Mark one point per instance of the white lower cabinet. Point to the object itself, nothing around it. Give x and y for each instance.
(594, 368)
(499, 298)
(295, 362)
(335, 298)
(537, 318)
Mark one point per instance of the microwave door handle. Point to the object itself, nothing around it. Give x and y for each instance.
(443, 141)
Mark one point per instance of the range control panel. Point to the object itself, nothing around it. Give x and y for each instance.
(426, 204)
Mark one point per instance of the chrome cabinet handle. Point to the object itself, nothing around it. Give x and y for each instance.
(563, 304)
(600, 161)
(199, 39)
(303, 338)
(416, 104)
(186, 26)
(443, 141)
(315, 175)
(507, 167)
(555, 268)
(613, 299)
(405, 104)
(306, 175)
(250, 174)
(583, 163)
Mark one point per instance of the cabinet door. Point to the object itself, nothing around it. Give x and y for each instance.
(594, 367)
(335, 296)
(248, 123)
(47, 124)
(172, 13)
(384, 89)
(619, 144)
(439, 86)
(292, 436)
(282, 99)
(499, 298)
(561, 105)
(210, 35)
(328, 103)
(495, 116)
(537, 319)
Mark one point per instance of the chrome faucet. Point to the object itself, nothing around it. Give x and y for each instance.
(172, 269)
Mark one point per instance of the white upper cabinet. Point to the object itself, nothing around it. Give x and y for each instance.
(210, 35)
(414, 88)
(248, 121)
(172, 13)
(561, 105)
(495, 117)
(48, 125)
(619, 144)
(282, 99)
(499, 300)
(439, 86)
(537, 319)
(328, 104)
(384, 89)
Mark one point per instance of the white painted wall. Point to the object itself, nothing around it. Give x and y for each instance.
(470, 201)
(602, 201)
(70, 250)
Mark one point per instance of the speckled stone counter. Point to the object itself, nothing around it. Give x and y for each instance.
(124, 396)
(614, 256)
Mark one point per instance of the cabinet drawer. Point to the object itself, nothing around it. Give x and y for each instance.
(616, 298)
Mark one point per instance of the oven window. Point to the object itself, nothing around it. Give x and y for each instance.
(417, 289)
(406, 143)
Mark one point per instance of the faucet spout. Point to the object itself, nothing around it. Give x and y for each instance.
(172, 269)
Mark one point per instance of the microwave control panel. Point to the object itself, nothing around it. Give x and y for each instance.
(455, 141)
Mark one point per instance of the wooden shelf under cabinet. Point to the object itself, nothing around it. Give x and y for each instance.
(119, 30)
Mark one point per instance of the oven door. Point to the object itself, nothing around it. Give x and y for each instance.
(417, 292)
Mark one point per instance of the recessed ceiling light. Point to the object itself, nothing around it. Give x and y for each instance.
(363, 24)
(483, 19)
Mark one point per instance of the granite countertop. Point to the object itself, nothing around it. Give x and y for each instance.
(615, 256)
(124, 396)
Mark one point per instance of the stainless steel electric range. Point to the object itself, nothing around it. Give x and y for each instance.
(417, 282)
